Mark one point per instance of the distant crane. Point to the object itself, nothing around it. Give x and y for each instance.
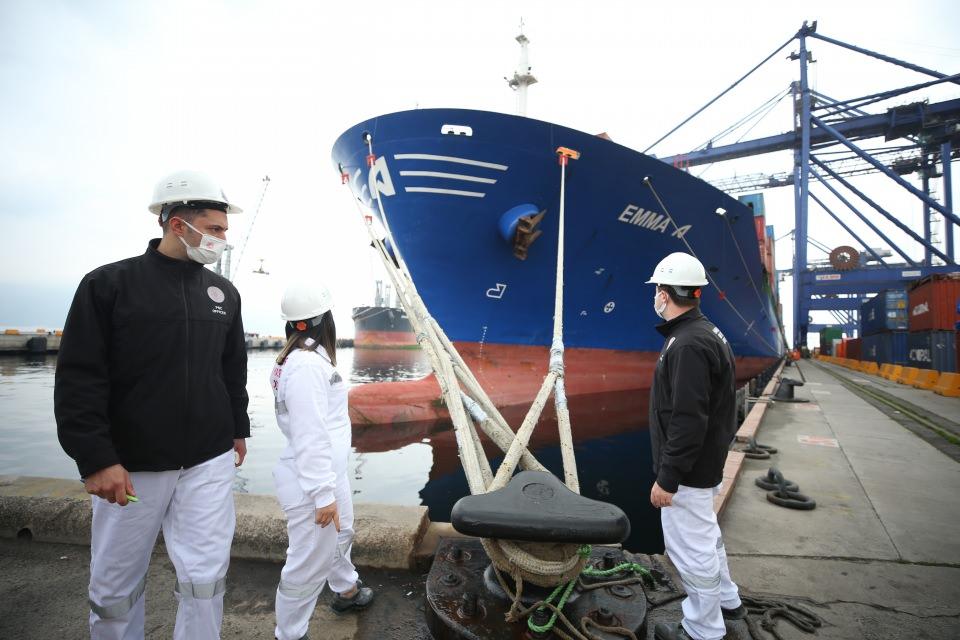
(260, 269)
(223, 266)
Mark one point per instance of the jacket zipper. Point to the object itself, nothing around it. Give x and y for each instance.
(186, 355)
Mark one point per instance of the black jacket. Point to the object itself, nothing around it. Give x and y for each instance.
(152, 369)
(693, 409)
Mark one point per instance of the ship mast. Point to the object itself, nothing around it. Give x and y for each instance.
(522, 77)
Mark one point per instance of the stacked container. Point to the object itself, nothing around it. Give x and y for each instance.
(935, 350)
(883, 325)
(886, 348)
(854, 346)
(827, 336)
(770, 261)
(765, 238)
(934, 308)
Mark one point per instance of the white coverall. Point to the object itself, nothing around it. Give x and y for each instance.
(311, 404)
(693, 541)
(195, 509)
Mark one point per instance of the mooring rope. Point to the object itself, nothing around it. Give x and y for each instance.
(542, 564)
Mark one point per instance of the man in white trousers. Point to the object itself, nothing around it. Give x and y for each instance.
(692, 423)
(150, 400)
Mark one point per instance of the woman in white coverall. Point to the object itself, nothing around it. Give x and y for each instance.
(311, 475)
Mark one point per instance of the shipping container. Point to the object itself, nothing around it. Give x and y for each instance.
(754, 201)
(770, 260)
(885, 348)
(760, 226)
(932, 350)
(934, 303)
(887, 311)
(840, 348)
(853, 348)
(827, 336)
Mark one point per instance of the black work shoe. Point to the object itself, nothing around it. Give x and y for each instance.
(359, 600)
(670, 632)
(734, 614)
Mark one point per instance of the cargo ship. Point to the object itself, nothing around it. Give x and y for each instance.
(470, 200)
(383, 325)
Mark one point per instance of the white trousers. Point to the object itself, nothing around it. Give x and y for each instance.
(695, 546)
(194, 507)
(315, 556)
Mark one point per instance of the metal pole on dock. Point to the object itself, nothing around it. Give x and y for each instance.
(800, 239)
(945, 160)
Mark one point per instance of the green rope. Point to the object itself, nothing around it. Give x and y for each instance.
(583, 552)
(567, 590)
(624, 566)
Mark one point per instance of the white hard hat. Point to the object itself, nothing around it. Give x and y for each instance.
(189, 186)
(305, 300)
(679, 269)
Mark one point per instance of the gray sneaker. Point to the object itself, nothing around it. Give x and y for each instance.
(359, 600)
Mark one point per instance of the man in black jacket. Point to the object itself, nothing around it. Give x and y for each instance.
(151, 403)
(692, 423)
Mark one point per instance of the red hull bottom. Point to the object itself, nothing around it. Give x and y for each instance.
(606, 391)
(385, 339)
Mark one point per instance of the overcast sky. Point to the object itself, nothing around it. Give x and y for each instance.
(98, 99)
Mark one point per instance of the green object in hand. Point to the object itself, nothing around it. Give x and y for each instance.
(132, 498)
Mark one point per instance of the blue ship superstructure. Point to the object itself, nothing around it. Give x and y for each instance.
(456, 184)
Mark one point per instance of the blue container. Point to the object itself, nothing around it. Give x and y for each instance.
(885, 348)
(932, 350)
(754, 201)
(886, 311)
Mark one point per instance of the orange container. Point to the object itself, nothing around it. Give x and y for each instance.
(841, 349)
(934, 303)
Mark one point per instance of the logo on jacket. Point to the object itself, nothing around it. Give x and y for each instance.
(662, 353)
(335, 378)
(720, 335)
(216, 294)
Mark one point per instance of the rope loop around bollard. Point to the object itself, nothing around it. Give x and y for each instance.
(791, 500)
(775, 480)
(756, 451)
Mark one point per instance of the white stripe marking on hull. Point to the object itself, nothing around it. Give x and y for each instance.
(429, 156)
(451, 192)
(451, 176)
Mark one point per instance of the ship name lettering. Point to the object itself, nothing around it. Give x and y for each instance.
(651, 220)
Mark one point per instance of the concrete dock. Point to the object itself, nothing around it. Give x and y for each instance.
(878, 558)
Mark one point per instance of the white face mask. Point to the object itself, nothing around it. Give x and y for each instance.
(209, 249)
(659, 310)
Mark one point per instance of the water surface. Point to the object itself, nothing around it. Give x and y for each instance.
(399, 468)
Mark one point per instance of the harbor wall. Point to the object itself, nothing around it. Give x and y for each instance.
(56, 510)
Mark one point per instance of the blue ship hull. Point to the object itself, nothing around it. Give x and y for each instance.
(452, 182)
